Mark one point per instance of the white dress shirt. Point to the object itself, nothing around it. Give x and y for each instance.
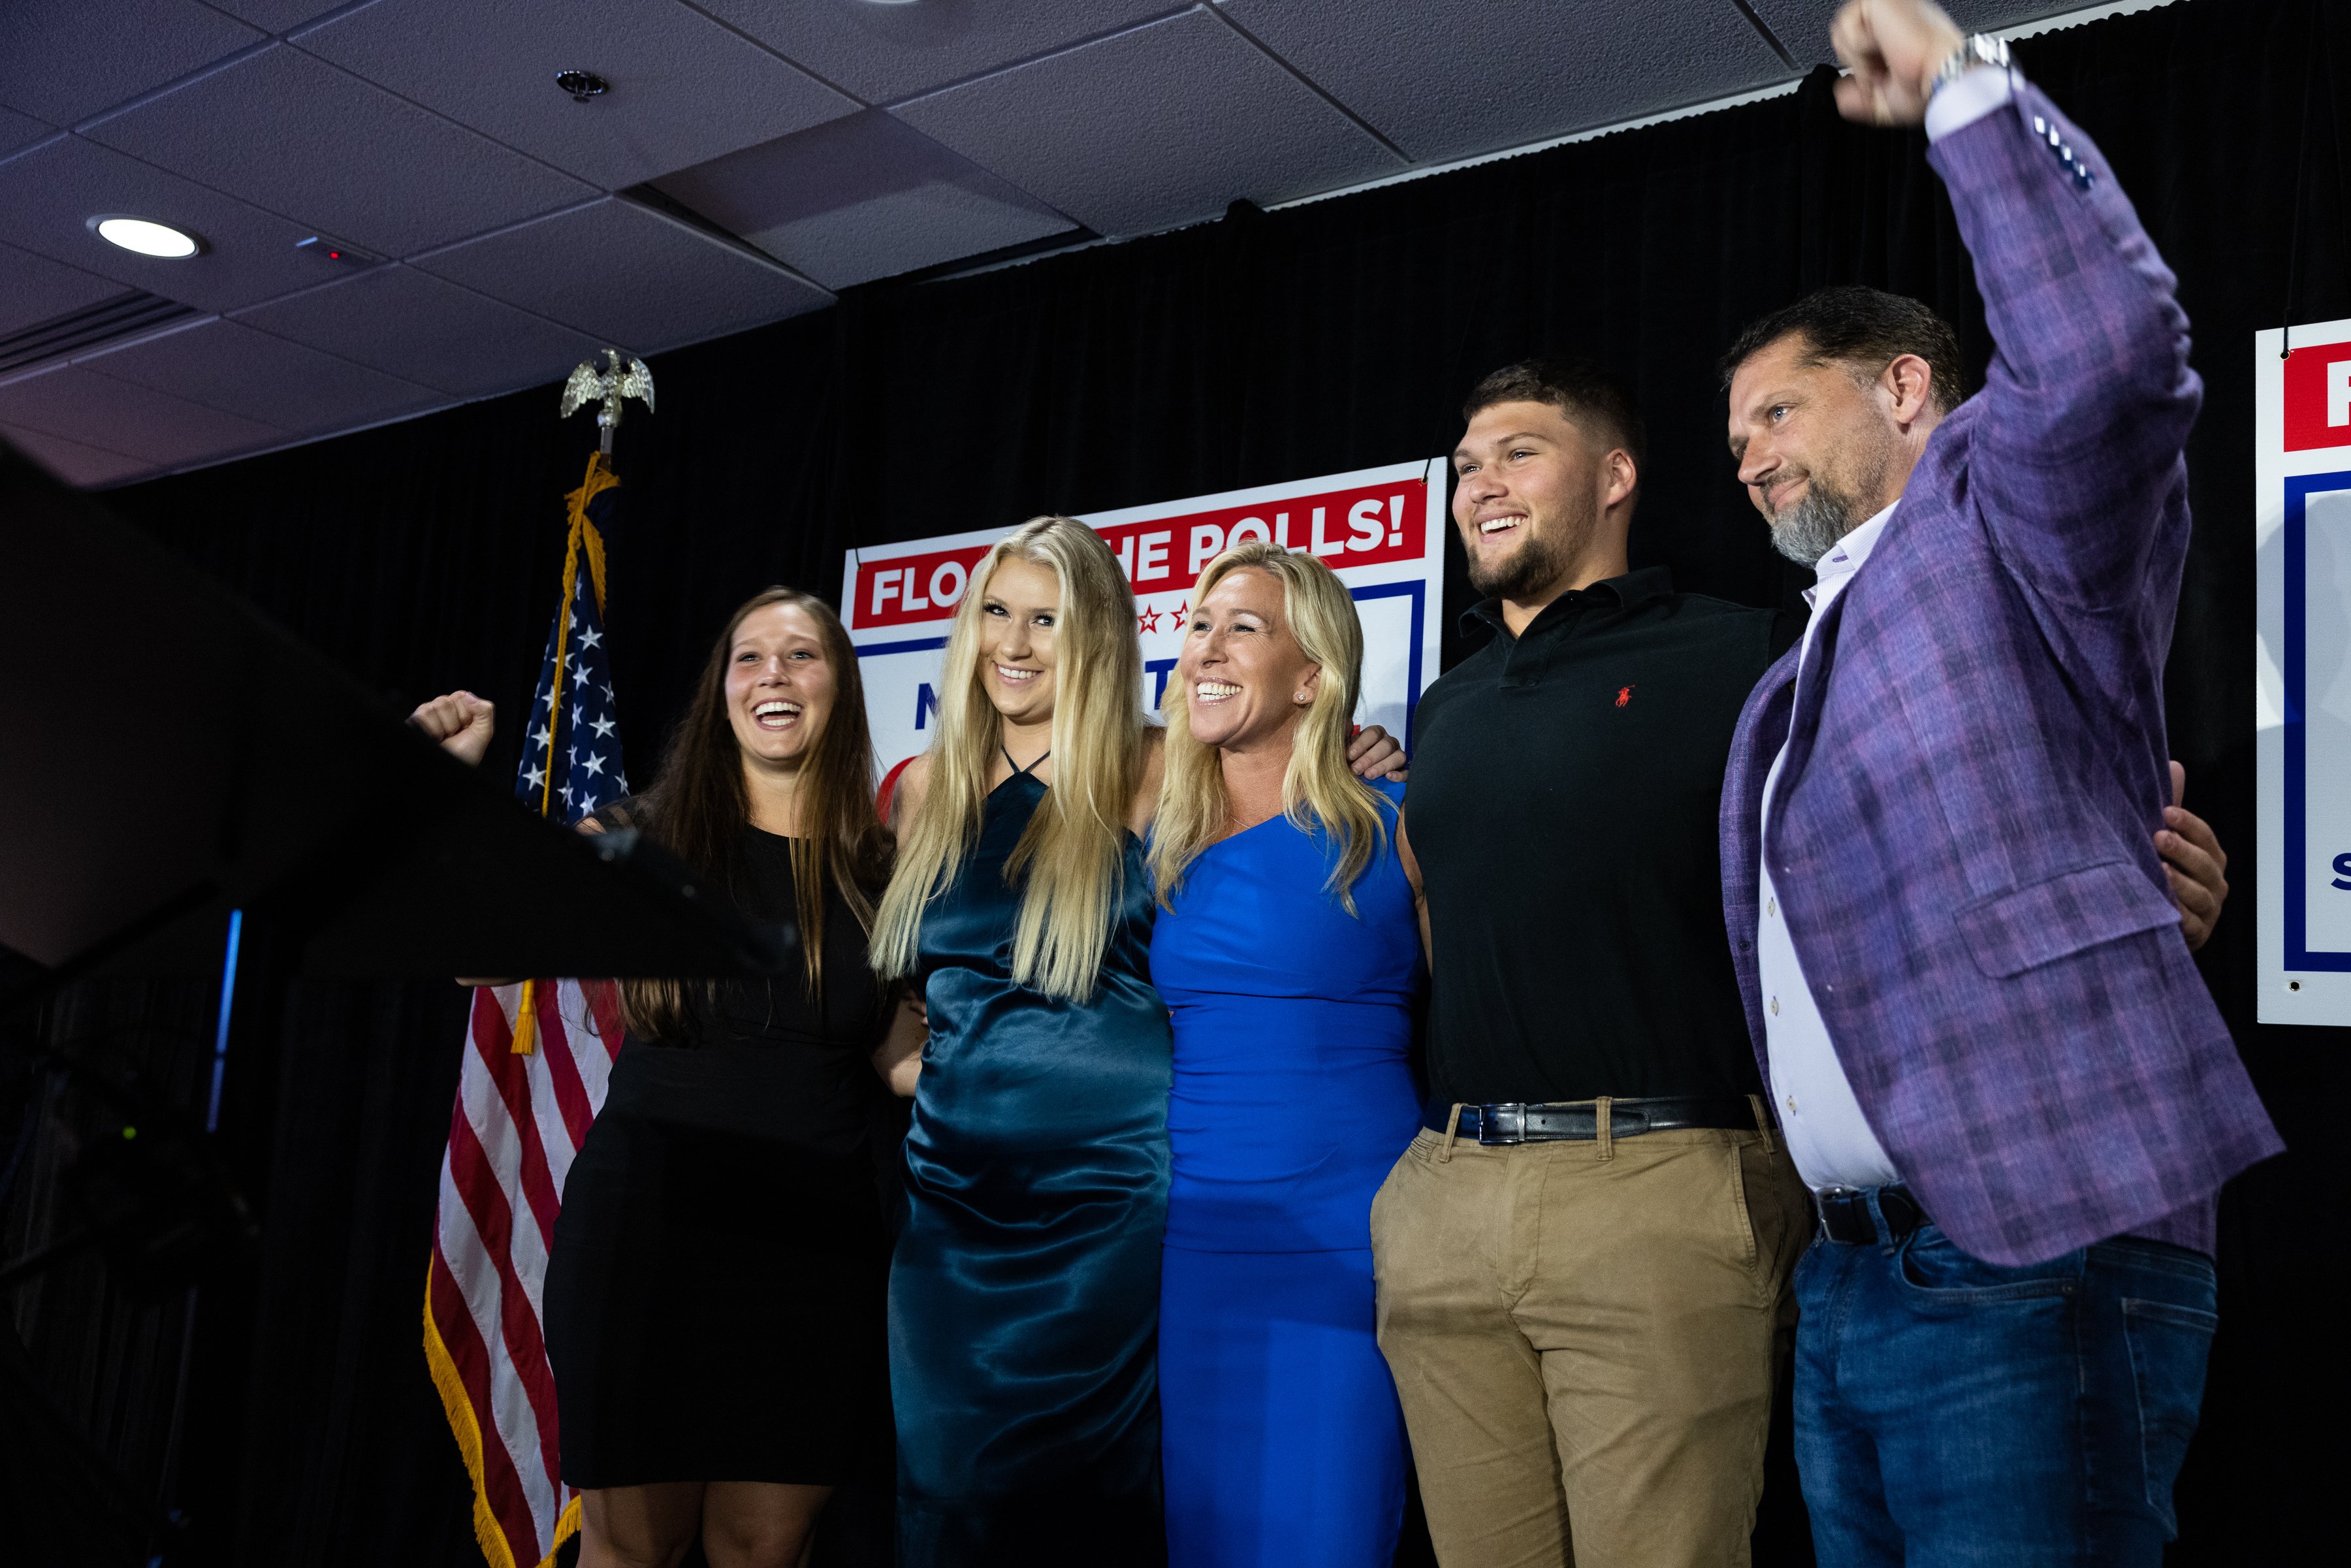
(1828, 1137)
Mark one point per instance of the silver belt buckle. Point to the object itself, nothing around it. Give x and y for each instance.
(1502, 1124)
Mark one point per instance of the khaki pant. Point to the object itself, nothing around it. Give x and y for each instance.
(1584, 1336)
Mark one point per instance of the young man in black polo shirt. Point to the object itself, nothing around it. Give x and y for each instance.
(1582, 1324)
(1583, 1263)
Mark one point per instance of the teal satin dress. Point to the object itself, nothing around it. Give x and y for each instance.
(1024, 1295)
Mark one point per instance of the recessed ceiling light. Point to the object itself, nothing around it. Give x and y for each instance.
(146, 239)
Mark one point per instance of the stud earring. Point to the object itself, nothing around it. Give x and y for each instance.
(1303, 697)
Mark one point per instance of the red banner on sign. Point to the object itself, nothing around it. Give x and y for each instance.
(2318, 397)
(1362, 526)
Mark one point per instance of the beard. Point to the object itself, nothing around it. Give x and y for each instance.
(1811, 528)
(1543, 557)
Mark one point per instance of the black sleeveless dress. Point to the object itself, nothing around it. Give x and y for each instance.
(715, 1300)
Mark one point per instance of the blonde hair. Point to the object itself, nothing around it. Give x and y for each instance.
(1318, 786)
(1071, 860)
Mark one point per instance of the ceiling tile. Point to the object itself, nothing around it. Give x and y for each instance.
(19, 131)
(50, 194)
(1423, 72)
(293, 133)
(34, 289)
(1802, 26)
(863, 198)
(882, 52)
(72, 461)
(628, 276)
(79, 404)
(68, 59)
(420, 328)
(1159, 126)
(227, 365)
(278, 16)
(684, 89)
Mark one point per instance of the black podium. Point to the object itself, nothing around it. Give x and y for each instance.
(168, 754)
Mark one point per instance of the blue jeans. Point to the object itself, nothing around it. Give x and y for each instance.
(1951, 1412)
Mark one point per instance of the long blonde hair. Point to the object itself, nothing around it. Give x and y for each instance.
(1071, 861)
(1318, 787)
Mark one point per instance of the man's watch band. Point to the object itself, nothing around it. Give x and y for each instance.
(1976, 52)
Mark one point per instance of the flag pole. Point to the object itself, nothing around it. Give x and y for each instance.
(610, 389)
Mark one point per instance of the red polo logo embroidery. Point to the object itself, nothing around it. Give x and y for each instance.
(1623, 696)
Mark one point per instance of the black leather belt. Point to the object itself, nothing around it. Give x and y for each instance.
(1845, 1217)
(1514, 1123)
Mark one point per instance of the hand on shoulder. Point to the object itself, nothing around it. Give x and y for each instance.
(906, 799)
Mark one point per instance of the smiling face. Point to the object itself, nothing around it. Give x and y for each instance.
(1819, 450)
(780, 685)
(1241, 665)
(1530, 488)
(1019, 609)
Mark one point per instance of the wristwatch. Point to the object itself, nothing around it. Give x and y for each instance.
(1974, 53)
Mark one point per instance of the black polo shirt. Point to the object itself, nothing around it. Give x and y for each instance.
(1564, 807)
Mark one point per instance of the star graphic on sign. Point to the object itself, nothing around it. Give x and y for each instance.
(540, 736)
(604, 726)
(595, 764)
(589, 636)
(1147, 622)
(1179, 619)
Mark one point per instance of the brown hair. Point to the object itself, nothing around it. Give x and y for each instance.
(1587, 391)
(1863, 329)
(698, 807)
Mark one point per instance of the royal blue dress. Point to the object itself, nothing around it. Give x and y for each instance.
(1283, 1442)
(1024, 1294)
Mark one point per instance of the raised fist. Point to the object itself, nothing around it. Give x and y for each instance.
(1893, 48)
(462, 722)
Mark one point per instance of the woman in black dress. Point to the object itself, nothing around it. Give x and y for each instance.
(715, 1294)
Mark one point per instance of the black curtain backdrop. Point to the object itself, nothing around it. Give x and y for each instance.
(1261, 348)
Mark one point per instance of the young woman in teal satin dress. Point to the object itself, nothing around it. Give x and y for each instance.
(1287, 947)
(1024, 1291)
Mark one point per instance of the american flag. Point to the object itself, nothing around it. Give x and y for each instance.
(537, 1055)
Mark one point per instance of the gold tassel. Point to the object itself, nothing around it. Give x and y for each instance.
(525, 1029)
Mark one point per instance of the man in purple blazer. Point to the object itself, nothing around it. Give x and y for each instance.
(1991, 1053)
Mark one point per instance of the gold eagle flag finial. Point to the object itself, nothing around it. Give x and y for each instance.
(619, 379)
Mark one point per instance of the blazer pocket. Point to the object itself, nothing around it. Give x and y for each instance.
(2010, 933)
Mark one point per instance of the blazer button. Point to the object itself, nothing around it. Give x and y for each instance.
(1775, 1007)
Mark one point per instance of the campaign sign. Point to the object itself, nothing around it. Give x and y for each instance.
(1381, 529)
(2301, 522)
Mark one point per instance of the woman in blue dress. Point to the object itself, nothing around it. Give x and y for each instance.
(1287, 949)
(1024, 1291)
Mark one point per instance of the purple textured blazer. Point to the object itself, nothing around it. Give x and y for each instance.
(1962, 837)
